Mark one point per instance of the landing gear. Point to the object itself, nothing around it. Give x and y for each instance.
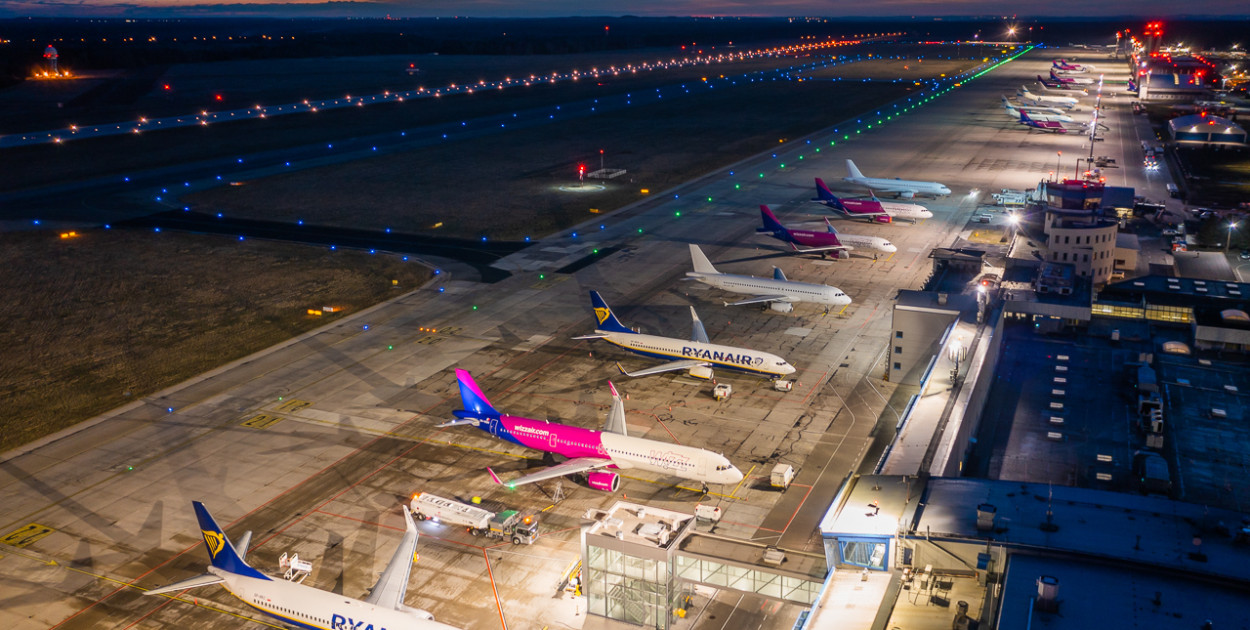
(705, 490)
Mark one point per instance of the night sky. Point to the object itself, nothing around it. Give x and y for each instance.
(652, 8)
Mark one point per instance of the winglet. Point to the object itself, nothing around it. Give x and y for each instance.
(493, 476)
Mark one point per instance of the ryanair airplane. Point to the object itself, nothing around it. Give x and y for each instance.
(304, 606)
(698, 356)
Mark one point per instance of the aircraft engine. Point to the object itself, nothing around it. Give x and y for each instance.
(781, 307)
(702, 371)
(907, 195)
(605, 481)
(883, 218)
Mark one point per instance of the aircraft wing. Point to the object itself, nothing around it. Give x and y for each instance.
(573, 466)
(389, 591)
(672, 366)
(199, 580)
(596, 336)
(762, 299)
(827, 248)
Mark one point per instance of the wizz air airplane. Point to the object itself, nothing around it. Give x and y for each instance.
(778, 292)
(820, 242)
(1043, 114)
(904, 188)
(879, 211)
(1066, 102)
(1062, 64)
(697, 356)
(1071, 80)
(305, 606)
(595, 453)
(1049, 126)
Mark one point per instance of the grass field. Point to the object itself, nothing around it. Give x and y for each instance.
(112, 316)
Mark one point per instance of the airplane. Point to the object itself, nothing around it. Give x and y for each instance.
(906, 189)
(1062, 64)
(1067, 89)
(778, 292)
(595, 453)
(305, 606)
(1049, 85)
(820, 242)
(1051, 126)
(698, 356)
(1071, 80)
(1042, 114)
(1066, 102)
(879, 211)
(858, 240)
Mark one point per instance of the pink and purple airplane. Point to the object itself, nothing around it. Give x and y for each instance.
(817, 242)
(821, 242)
(1062, 64)
(595, 453)
(872, 209)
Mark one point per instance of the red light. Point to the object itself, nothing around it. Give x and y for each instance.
(166, 86)
(217, 98)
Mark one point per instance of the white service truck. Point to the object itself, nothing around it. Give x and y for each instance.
(508, 524)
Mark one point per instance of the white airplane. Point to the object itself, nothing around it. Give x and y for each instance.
(778, 292)
(597, 454)
(1041, 114)
(305, 606)
(904, 188)
(698, 356)
(859, 240)
(1071, 90)
(1066, 102)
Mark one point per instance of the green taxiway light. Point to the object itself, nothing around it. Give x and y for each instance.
(595, 251)
(640, 230)
(677, 214)
(390, 347)
(542, 276)
(475, 307)
(737, 186)
(709, 198)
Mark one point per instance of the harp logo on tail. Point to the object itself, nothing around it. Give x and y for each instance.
(215, 542)
(602, 314)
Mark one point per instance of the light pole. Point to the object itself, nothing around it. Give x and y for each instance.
(1232, 225)
(1058, 158)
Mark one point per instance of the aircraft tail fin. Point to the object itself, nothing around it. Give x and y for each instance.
(701, 263)
(823, 194)
(830, 228)
(472, 398)
(604, 316)
(771, 224)
(855, 174)
(221, 551)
